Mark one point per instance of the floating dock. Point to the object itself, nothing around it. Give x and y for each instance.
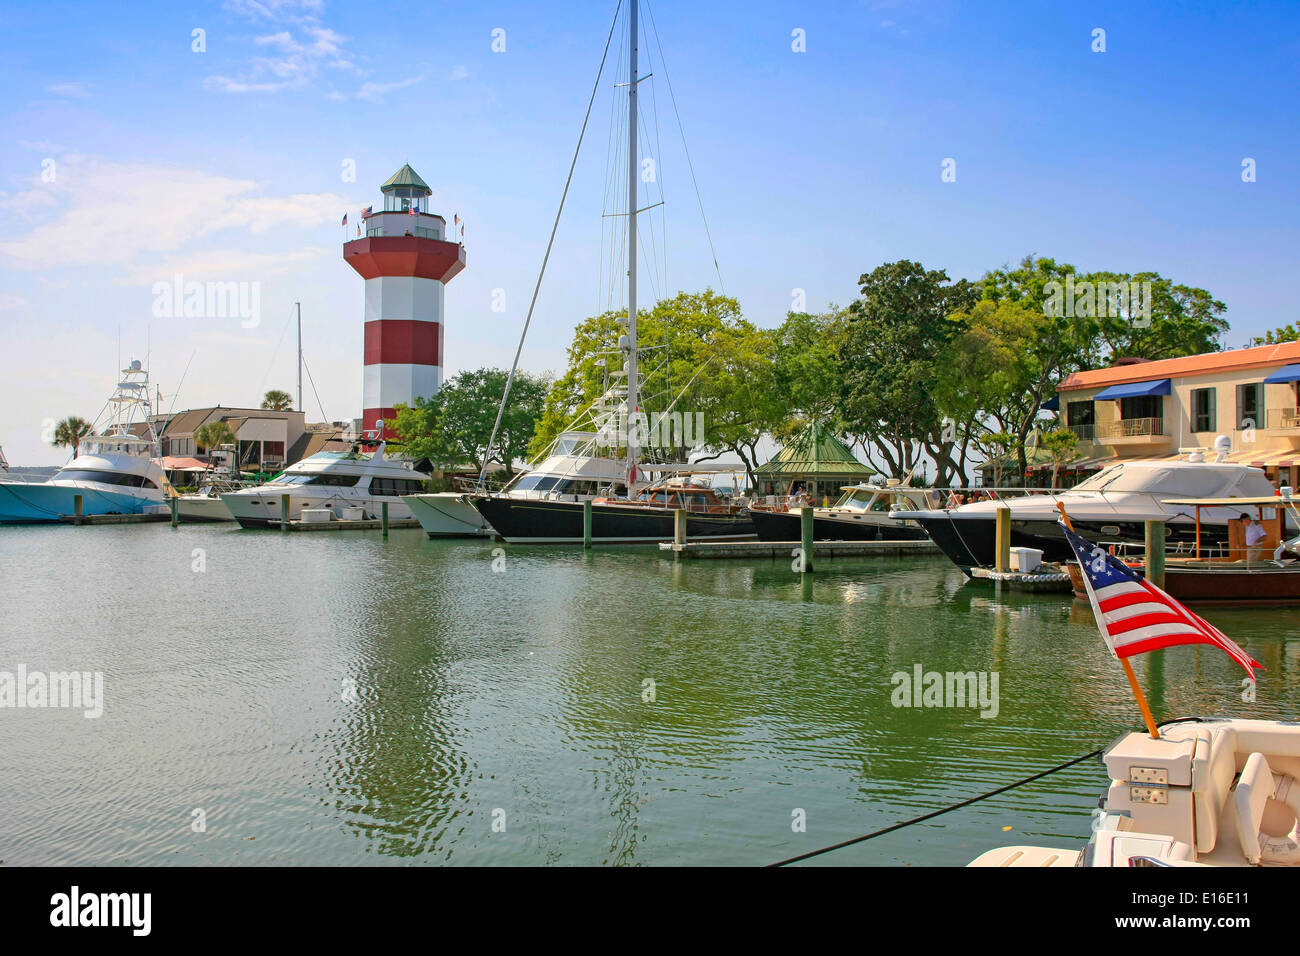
(1038, 581)
(114, 519)
(782, 550)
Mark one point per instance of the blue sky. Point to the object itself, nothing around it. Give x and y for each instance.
(814, 167)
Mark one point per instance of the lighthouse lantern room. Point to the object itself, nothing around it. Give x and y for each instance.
(406, 260)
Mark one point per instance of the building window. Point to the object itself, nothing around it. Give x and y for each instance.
(1203, 410)
(1142, 406)
(1080, 417)
(1249, 404)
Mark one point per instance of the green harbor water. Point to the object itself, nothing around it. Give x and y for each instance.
(338, 698)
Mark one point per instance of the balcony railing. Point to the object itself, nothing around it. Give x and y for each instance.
(1131, 428)
(1082, 432)
(1284, 419)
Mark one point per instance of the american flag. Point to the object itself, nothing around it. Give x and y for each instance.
(1135, 616)
(345, 219)
(367, 212)
(414, 208)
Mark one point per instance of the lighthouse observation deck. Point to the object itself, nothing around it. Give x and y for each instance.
(400, 244)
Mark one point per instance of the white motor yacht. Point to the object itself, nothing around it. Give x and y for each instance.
(330, 481)
(1110, 507)
(112, 472)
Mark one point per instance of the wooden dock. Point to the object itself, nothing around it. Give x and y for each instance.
(114, 519)
(783, 550)
(361, 524)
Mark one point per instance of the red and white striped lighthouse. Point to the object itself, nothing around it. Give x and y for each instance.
(406, 259)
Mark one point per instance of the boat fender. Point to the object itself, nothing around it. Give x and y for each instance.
(1284, 850)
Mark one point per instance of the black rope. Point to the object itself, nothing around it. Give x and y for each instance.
(929, 816)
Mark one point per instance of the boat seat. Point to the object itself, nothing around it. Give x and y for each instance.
(1251, 794)
(1018, 856)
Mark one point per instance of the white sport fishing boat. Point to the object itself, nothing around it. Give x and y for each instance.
(112, 472)
(570, 471)
(333, 482)
(1112, 506)
(1208, 792)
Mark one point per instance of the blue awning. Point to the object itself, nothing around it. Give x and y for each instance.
(1159, 386)
(1287, 373)
(1053, 404)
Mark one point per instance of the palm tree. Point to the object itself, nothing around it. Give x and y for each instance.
(277, 401)
(69, 432)
(212, 434)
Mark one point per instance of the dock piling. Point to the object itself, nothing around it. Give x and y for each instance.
(805, 539)
(1002, 540)
(284, 512)
(1155, 553)
(586, 524)
(383, 517)
(76, 505)
(174, 504)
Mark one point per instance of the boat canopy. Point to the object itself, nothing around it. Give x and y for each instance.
(1158, 386)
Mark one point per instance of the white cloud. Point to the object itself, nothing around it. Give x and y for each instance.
(226, 265)
(71, 90)
(459, 73)
(294, 54)
(108, 213)
(10, 301)
(375, 92)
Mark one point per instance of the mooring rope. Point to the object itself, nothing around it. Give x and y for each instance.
(936, 813)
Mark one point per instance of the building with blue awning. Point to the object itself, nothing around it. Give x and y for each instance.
(1152, 409)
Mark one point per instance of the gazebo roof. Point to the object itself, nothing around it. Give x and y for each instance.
(406, 176)
(814, 452)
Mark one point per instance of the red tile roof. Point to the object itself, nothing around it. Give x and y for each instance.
(1208, 363)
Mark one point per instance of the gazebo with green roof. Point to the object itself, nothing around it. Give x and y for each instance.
(404, 189)
(815, 460)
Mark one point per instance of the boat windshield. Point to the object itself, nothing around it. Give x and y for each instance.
(105, 477)
(860, 499)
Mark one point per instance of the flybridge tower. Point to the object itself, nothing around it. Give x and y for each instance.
(406, 259)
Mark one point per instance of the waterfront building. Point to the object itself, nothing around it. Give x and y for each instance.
(267, 439)
(1151, 409)
(406, 258)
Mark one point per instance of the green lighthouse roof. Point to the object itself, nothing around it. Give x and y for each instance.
(406, 176)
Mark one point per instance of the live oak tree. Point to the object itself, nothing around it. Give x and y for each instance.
(891, 362)
(453, 427)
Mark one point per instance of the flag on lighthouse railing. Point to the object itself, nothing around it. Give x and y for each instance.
(367, 212)
(413, 209)
(1135, 616)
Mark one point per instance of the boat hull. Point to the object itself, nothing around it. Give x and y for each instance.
(200, 508)
(787, 526)
(262, 510)
(539, 521)
(1260, 584)
(22, 503)
(448, 515)
(970, 541)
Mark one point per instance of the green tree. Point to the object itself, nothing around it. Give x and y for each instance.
(1287, 333)
(1061, 445)
(69, 432)
(453, 427)
(698, 355)
(806, 367)
(277, 400)
(891, 361)
(212, 435)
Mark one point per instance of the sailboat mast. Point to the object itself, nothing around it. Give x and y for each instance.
(633, 398)
(299, 305)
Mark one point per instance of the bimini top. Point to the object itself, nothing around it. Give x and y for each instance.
(1159, 386)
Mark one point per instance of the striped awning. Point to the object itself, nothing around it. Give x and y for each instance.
(1272, 458)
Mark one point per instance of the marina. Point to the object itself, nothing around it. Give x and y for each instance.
(760, 497)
